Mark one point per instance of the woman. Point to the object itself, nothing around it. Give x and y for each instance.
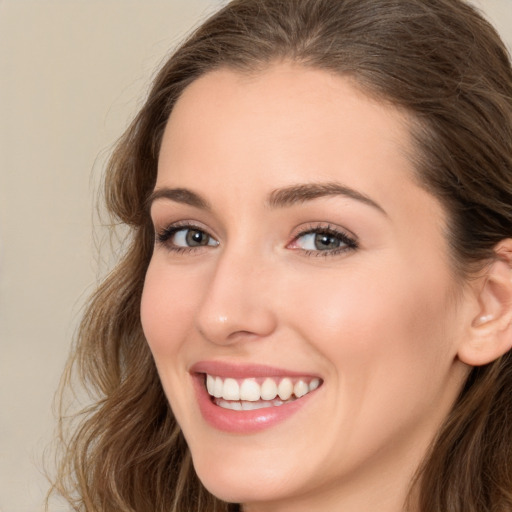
(314, 310)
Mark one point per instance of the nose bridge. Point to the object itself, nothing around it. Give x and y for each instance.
(236, 302)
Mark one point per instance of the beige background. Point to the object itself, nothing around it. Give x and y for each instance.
(72, 73)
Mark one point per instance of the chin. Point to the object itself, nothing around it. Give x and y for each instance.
(243, 483)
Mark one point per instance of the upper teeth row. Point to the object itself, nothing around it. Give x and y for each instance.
(250, 390)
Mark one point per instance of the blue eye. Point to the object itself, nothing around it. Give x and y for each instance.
(182, 238)
(324, 240)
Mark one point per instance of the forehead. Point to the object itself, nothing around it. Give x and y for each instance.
(286, 93)
(284, 124)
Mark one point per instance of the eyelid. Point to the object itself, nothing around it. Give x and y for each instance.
(322, 226)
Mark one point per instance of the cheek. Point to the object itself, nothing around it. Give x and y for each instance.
(167, 307)
(384, 334)
(389, 358)
(167, 311)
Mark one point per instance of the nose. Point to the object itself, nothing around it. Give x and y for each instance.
(237, 302)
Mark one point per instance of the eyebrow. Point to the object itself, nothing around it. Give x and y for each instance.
(279, 198)
(297, 194)
(179, 195)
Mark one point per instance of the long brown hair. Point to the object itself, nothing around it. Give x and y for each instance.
(438, 60)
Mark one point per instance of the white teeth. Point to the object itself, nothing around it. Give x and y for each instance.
(268, 389)
(231, 390)
(251, 406)
(300, 389)
(314, 384)
(210, 385)
(249, 391)
(285, 389)
(247, 406)
(217, 389)
(234, 406)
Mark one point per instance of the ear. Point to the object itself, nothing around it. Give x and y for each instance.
(490, 333)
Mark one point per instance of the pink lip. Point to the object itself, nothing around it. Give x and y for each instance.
(242, 422)
(243, 371)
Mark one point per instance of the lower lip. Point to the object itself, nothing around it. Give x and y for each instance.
(243, 422)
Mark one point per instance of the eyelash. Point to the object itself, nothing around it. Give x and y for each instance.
(163, 237)
(350, 243)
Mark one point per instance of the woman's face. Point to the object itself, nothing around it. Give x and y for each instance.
(296, 254)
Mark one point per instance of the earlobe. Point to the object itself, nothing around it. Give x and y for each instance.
(490, 333)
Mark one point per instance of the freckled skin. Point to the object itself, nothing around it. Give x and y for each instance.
(379, 323)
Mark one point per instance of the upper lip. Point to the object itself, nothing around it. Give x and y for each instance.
(243, 371)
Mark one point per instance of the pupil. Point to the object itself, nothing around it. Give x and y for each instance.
(323, 241)
(195, 238)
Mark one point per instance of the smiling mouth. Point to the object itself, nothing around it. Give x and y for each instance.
(256, 392)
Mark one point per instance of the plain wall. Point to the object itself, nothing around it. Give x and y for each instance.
(72, 73)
